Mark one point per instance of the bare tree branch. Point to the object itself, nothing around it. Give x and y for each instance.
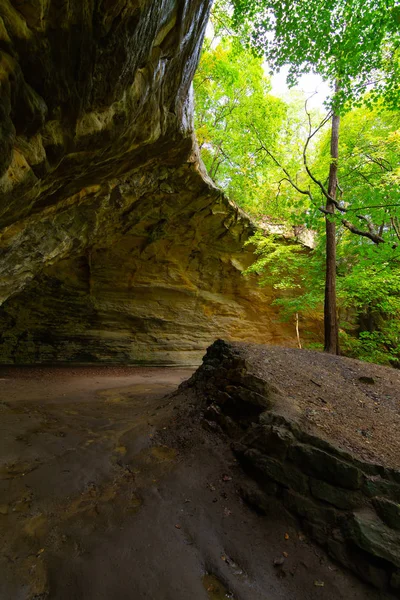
(372, 206)
(368, 222)
(377, 239)
(309, 172)
(275, 160)
(370, 234)
(396, 227)
(380, 163)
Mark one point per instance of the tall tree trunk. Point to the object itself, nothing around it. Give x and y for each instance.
(331, 326)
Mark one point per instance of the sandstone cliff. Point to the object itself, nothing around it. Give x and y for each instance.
(114, 244)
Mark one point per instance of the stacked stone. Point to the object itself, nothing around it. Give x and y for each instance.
(348, 506)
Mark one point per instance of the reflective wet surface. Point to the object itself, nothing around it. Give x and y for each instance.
(96, 505)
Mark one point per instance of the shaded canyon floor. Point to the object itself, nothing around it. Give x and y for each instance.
(109, 492)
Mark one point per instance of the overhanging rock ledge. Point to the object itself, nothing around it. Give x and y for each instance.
(115, 246)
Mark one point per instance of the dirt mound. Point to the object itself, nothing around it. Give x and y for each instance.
(351, 403)
(319, 434)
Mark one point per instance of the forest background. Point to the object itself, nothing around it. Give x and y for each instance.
(254, 144)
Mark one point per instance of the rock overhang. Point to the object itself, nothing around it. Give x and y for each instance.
(115, 245)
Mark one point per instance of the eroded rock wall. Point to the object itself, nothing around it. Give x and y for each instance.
(90, 92)
(114, 244)
(159, 282)
(347, 505)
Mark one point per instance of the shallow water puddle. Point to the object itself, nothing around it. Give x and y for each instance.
(215, 589)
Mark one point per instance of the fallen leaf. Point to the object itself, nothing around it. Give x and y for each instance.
(318, 583)
(177, 526)
(286, 536)
(223, 557)
(285, 554)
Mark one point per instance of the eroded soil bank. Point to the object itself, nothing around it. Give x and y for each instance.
(111, 488)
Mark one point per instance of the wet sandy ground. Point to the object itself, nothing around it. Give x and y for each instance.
(94, 507)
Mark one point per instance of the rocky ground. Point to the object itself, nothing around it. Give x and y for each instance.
(352, 403)
(111, 489)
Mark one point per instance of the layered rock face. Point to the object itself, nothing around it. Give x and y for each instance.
(114, 244)
(347, 505)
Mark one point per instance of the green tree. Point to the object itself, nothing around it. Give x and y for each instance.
(354, 46)
(368, 275)
(234, 110)
(231, 95)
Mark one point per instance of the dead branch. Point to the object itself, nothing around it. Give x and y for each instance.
(396, 226)
(368, 222)
(377, 239)
(275, 160)
(309, 172)
(370, 234)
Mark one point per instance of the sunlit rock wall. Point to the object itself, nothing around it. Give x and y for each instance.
(114, 245)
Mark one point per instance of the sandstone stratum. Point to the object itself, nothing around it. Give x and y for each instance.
(115, 246)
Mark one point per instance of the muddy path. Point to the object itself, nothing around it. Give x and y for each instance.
(96, 505)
